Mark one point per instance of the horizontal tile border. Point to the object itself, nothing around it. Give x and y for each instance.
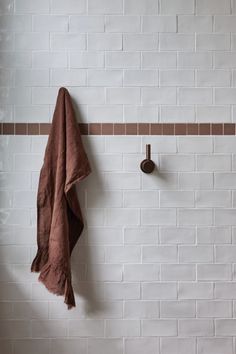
(125, 128)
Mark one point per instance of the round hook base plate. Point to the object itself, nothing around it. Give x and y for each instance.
(147, 166)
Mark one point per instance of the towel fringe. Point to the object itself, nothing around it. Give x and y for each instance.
(58, 282)
(69, 295)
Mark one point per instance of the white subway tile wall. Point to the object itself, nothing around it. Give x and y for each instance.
(154, 270)
(174, 60)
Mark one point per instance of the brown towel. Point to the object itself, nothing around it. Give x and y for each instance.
(59, 218)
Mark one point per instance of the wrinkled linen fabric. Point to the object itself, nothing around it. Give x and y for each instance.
(59, 218)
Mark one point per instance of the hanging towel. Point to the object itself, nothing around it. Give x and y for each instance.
(59, 218)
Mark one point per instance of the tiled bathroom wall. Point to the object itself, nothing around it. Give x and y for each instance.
(154, 270)
(123, 60)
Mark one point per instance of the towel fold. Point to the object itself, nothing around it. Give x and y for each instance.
(59, 218)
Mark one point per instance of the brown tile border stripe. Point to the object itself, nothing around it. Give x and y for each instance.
(125, 128)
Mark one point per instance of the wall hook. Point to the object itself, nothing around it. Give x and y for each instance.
(147, 165)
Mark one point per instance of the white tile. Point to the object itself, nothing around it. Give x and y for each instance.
(103, 113)
(159, 328)
(176, 199)
(68, 41)
(195, 290)
(178, 309)
(215, 345)
(195, 254)
(105, 78)
(176, 41)
(122, 291)
(140, 77)
(195, 216)
(225, 327)
(141, 272)
(170, 272)
(106, 199)
(159, 254)
(104, 235)
(27, 6)
(119, 144)
(224, 23)
(140, 7)
(32, 41)
(178, 345)
(178, 114)
(140, 199)
(104, 272)
(86, 59)
(159, 24)
(195, 327)
(49, 59)
(136, 113)
(175, 235)
(195, 144)
(213, 78)
(213, 7)
(45, 23)
(15, 329)
(190, 23)
(123, 95)
(104, 41)
(122, 59)
(140, 345)
(176, 77)
(158, 216)
(72, 77)
(122, 328)
(86, 24)
(213, 235)
(212, 42)
(141, 309)
(177, 7)
(195, 60)
(195, 96)
(225, 290)
(122, 24)
(71, 6)
(103, 346)
(213, 199)
(159, 59)
(213, 114)
(86, 328)
(11, 60)
(105, 6)
(225, 216)
(15, 95)
(60, 346)
(122, 180)
(177, 163)
(140, 235)
(140, 41)
(214, 272)
(213, 162)
(38, 346)
(162, 95)
(214, 308)
(224, 60)
(159, 290)
(123, 254)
